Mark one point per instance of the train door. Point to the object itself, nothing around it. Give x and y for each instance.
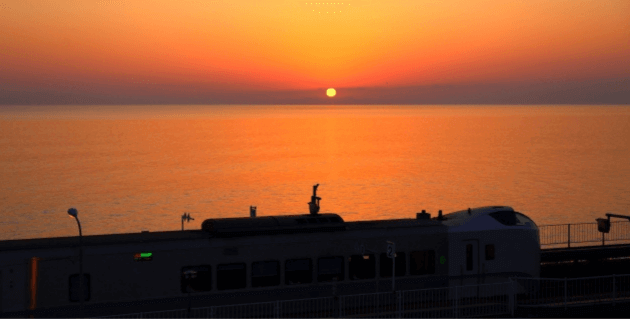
(470, 268)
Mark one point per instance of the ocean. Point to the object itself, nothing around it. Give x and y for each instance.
(133, 168)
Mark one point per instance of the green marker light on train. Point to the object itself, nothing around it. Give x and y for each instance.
(143, 255)
(442, 260)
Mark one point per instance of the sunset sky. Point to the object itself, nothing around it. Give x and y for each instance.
(286, 51)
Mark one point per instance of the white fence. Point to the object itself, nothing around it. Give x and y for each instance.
(500, 299)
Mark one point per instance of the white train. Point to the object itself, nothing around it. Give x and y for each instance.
(255, 259)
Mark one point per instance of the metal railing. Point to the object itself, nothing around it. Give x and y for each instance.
(465, 301)
(462, 301)
(583, 234)
(551, 292)
(499, 299)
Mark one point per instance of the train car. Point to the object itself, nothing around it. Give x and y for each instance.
(267, 258)
(490, 245)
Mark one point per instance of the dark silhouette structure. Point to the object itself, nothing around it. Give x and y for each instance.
(314, 204)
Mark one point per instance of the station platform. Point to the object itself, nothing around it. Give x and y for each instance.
(590, 253)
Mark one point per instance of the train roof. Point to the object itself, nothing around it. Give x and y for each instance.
(393, 223)
(283, 225)
(291, 224)
(287, 224)
(464, 216)
(272, 225)
(227, 227)
(486, 218)
(98, 240)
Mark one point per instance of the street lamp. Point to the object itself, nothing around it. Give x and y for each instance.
(74, 213)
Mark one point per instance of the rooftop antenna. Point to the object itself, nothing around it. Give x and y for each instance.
(314, 204)
(187, 218)
(252, 211)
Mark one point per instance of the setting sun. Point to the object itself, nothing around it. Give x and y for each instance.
(331, 92)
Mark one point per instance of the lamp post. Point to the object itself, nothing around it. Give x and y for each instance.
(74, 213)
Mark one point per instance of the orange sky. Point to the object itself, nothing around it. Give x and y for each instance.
(178, 48)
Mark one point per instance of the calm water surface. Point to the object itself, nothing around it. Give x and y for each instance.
(133, 168)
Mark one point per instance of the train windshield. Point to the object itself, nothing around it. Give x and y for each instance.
(510, 218)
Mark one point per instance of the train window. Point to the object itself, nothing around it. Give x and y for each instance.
(362, 267)
(386, 265)
(524, 220)
(231, 276)
(489, 252)
(298, 271)
(75, 290)
(330, 269)
(422, 262)
(265, 273)
(196, 278)
(506, 218)
(335, 219)
(469, 257)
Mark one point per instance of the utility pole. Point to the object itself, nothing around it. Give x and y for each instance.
(391, 253)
